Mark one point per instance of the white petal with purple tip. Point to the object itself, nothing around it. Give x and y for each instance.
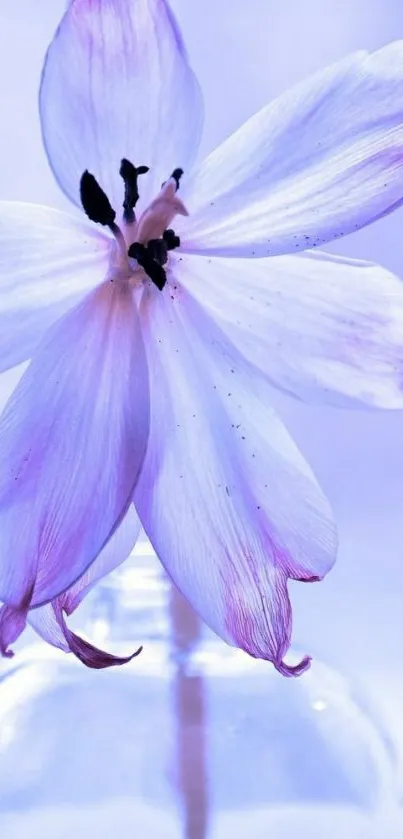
(48, 621)
(228, 502)
(72, 442)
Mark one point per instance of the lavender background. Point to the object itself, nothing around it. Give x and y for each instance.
(244, 54)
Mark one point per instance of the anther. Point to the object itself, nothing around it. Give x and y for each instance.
(176, 175)
(149, 265)
(95, 202)
(130, 175)
(171, 240)
(158, 250)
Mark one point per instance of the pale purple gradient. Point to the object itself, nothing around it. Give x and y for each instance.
(105, 57)
(334, 350)
(310, 167)
(352, 617)
(244, 54)
(59, 406)
(141, 38)
(227, 535)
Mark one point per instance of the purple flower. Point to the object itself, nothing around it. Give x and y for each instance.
(156, 330)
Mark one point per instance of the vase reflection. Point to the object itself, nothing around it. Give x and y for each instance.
(191, 740)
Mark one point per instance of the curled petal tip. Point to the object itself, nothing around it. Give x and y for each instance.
(86, 652)
(94, 658)
(7, 653)
(12, 624)
(293, 670)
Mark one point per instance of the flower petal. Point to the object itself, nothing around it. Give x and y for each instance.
(48, 620)
(323, 328)
(72, 442)
(114, 553)
(52, 626)
(48, 261)
(116, 83)
(321, 161)
(89, 655)
(225, 497)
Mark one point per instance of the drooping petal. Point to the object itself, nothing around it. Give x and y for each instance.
(225, 497)
(72, 442)
(323, 328)
(321, 161)
(117, 84)
(89, 655)
(49, 621)
(12, 623)
(51, 625)
(114, 553)
(48, 262)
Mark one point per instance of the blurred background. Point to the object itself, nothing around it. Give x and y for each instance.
(194, 740)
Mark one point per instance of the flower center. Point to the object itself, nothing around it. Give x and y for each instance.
(149, 239)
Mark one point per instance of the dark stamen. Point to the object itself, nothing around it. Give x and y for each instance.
(95, 203)
(130, 175)
(153, 256)
(152, 268)
(176, 175)
(158, 250)
(171, 240)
